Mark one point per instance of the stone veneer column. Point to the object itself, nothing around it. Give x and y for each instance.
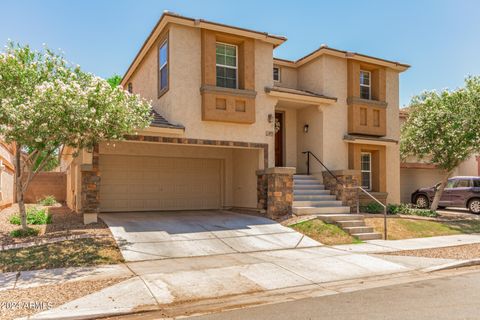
(90, 189)
(347, 178)
(275, 190)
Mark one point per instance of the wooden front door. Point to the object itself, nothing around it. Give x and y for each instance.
(279, 120)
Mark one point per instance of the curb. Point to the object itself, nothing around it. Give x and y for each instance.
(453, 265)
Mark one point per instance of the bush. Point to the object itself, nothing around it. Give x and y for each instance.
(34, 216)
(372, 207)
(48, 201)
(20, 233)
(407, 209)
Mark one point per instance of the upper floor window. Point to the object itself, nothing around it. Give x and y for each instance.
(227, 67)
(163, 66)
(276, 74)
(130, 87)
(365, 84)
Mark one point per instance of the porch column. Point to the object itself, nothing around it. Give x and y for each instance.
(275, 190)
(90, 189)
(347, 178)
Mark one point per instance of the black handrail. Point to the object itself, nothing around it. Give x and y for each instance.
(316, 158)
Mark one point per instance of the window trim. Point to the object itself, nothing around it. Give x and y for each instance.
(225, 66)
(162, 91)
(369, 86)
(369, 188)
(279, 74)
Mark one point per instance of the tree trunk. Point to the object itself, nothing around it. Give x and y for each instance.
(19, 187)
(439, 191)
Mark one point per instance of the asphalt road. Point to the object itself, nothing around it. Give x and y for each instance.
(452, 297)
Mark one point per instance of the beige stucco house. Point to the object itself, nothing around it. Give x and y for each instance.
(415, 173)
(7, 175)
(228, 114)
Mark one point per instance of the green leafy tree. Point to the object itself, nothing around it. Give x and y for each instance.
(114, 80)
(444, 128)
(47, 104)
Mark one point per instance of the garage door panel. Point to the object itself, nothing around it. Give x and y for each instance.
(134, 183)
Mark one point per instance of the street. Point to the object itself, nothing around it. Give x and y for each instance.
(452, 297)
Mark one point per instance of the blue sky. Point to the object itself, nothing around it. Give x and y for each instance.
(440, 39)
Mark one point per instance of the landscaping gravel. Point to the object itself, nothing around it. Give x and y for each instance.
(20, 303)
(463, 252)
(64, 222)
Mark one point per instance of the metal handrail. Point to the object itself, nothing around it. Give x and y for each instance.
(355, 187)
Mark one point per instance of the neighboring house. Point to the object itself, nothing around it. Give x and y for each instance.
(7, 175)
(226, 109)
(415, 174)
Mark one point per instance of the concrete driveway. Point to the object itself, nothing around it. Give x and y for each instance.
(162, 235)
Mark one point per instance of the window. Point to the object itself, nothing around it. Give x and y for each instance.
(365, 85)
(276, 74)
(366, 169)
(130, 87)
(227, 65)
(450, 183)
(463, 183)
(163, 67)
(476, 183)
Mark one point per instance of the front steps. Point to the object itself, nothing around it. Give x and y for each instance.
(311, 198)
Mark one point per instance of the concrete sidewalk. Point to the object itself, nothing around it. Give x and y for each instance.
(383, 246)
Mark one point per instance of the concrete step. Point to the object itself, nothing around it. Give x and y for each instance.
(300, 211)
(303, 176)
(368, 236)
(333, 218)
(308, 187)
(323, 203)
(313, 197)
(357, 230)
(351, 223)
(310, 192)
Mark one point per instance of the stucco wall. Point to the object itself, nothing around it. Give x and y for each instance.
(288, 77)
(7, 179)
(181, 104)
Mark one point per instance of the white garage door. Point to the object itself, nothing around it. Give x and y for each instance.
(136, 183)
(412, 179)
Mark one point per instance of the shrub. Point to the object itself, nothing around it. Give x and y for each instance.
(48, 201)
(20, 233)
(372, 207)
(408, 209)
(34, 216)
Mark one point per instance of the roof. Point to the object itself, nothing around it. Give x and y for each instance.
(160, 122)
(344, 54)
(299, 92)
(354, 137)
(170, 17)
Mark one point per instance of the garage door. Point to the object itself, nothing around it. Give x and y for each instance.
(136, 183)
(412, 179)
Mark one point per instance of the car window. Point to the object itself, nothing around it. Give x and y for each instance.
(450, 183)
(476, 183)
(463, 183)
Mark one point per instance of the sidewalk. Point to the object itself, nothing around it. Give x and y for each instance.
(159, 284)
(383, 246)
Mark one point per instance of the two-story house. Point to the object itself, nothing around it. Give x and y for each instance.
(232, 124)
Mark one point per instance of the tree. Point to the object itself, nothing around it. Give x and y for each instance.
(114, 80)
(444, 128)
(47, 104)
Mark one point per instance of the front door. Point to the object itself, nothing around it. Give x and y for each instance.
(279, 127)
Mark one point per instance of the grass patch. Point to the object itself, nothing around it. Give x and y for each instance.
(20, 233)
(48, 201)
(72, 253)
(34, 216)
(325, 233)
(408, 228)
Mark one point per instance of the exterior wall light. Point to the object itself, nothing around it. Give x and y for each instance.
(305, 128)
(270, 118)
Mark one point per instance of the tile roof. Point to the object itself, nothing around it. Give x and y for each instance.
(160, 122)
(297, 91)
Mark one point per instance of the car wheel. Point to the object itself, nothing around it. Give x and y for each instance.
(421, 202)
(474, 206)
